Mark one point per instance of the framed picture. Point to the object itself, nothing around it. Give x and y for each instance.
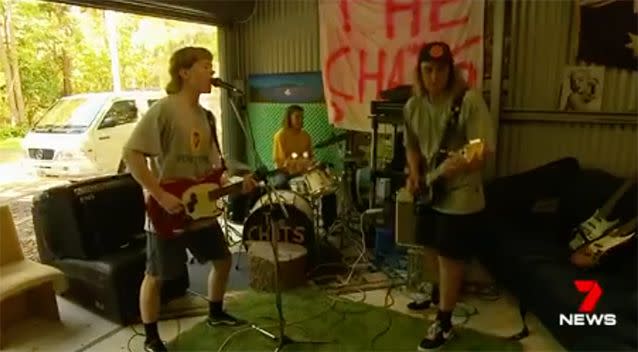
(582, 88)
(286, 88)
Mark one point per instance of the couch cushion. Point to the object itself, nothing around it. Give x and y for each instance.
(536, 270)
(589, 191)
(532, 260)
(22, 275)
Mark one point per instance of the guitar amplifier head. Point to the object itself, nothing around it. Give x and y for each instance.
(405, 219)
(88, 219)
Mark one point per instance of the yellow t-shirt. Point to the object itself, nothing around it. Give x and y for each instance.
(287, 141)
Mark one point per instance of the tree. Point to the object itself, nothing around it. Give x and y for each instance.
(62, 49)
(9, 59)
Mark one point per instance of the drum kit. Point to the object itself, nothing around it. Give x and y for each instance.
(310, 203)
(309, 197)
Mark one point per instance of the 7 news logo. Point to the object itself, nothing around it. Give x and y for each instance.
(585, 317)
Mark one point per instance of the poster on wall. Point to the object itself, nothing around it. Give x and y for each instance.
(582, 88)
(609, 33)
(370, 46)
(298, 87)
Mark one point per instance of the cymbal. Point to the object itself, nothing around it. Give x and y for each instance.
(332, 140)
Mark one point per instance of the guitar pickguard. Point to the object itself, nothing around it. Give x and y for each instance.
(197, 202)
(591, 230)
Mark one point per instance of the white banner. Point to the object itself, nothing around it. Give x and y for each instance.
(368, 46)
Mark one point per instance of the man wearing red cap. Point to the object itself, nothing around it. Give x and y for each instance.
(441, 115)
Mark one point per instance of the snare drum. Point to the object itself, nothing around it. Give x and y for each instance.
(319, 182)
(297, 228)
(299, 185)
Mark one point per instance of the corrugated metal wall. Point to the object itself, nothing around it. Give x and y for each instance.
(526, 144)
(543, 41)
(282, 36)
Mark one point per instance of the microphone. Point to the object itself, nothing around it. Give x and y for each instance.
(217, 82)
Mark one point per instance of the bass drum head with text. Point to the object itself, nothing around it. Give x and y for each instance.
(298, 228)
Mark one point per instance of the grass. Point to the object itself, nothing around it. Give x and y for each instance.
(11, 143)
(10, 149)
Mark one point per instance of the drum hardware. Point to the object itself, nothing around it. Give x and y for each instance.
(228, 230)
(335, 138)
(273, 226)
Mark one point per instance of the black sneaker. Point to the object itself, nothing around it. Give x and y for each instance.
(435, 337)
(154, 345)
(223, 319)
(419, 304)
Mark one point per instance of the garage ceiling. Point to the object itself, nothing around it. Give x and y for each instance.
(215, 12)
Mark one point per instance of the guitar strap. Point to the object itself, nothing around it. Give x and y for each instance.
(213, 132)
(451, 123)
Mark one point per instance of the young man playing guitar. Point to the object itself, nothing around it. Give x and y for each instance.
(444, 115)
(178, 134)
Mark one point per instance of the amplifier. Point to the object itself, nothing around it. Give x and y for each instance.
(88, 219)
(405, 219)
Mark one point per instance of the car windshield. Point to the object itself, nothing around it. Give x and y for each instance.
(76, 112)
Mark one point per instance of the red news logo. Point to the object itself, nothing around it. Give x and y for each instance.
(593, 292)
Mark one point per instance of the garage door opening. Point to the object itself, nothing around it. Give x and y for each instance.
(54, 51)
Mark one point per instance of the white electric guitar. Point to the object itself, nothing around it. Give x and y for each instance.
(598, 224)
(589, 256)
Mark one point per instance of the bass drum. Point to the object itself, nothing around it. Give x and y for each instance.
(297, 228)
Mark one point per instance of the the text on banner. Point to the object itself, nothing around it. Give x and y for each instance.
(368, 46)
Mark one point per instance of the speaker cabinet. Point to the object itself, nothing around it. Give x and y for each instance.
(88, 219)
(405, 219)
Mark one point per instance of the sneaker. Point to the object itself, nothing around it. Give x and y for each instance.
(154, 345)
(223, 319)
(435, 337)
(421, 304)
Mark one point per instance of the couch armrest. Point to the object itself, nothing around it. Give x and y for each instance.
(22, 275)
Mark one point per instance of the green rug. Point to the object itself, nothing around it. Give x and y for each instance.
(311, 315)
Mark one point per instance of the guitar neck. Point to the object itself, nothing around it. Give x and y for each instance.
(606, 209)
(225, 190)
(625, 228)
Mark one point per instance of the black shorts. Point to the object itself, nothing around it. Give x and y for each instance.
(165, 258)
(453, 236)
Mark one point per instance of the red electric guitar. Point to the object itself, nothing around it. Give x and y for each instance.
(199, 197)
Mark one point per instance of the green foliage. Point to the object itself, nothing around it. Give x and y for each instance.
(8, 131)
(46, 31)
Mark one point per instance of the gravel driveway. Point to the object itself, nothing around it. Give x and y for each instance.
(17, 188)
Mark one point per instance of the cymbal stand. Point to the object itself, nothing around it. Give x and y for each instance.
(273, 227)
(346, 206)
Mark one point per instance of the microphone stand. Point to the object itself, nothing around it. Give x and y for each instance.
(283, 340)
(273, 227)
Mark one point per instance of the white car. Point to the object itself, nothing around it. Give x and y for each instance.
(83, 135)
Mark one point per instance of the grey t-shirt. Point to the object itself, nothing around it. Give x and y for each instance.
(178, 137)
(424, 126)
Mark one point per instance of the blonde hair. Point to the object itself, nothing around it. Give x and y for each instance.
(184, 58)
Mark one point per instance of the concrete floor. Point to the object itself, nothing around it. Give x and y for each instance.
(81, 330)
